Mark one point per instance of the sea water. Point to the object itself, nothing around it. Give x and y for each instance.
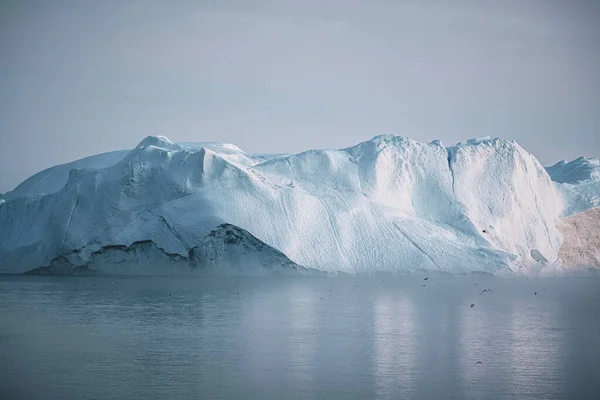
(299, 338)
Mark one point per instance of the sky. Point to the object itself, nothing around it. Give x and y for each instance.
(83, 77)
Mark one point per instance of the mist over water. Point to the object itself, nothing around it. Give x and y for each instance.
(278, 338)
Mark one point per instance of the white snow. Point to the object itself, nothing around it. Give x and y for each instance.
(387, 204)
(53, 179)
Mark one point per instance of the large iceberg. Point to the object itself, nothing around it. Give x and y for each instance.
(387, 204)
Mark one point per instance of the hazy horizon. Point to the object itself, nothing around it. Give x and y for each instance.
(81, 78)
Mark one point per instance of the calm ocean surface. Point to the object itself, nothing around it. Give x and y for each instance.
(299, 338)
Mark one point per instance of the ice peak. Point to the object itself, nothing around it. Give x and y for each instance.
(485, 140)
(579, 170)
(219, 147)
(386, 139)
(389, 138)
(480, 139)
(381, 142)
(155, 140)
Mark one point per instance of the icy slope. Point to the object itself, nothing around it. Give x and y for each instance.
(578, 170)
(53, 179)
(390, 203)
(579, 182)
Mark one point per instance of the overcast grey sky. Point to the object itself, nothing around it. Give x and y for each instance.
(83, 77)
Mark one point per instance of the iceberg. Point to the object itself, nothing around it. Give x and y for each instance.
(388, 204)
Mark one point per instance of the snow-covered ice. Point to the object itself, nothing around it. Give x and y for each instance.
(576, 171)
(579, 182)
(387, 204)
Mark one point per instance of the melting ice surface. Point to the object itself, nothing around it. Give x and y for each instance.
(279, 338)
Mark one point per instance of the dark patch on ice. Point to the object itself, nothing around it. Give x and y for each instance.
(222, 245)
(59, 271)
(537, 256)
